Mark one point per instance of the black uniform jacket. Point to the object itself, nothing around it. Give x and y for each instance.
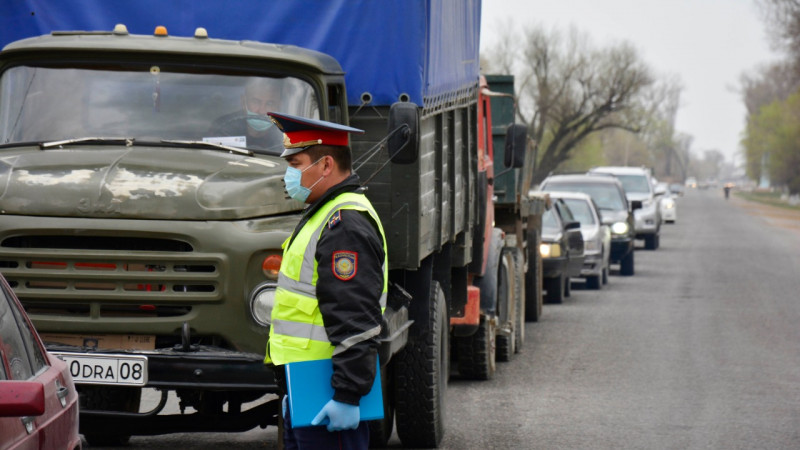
(349, 306)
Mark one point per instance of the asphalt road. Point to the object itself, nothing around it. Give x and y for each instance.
(700, 349)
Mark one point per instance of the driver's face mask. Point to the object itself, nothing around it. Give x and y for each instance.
(257, 121)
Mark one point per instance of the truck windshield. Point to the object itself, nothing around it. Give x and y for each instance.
(150, 103)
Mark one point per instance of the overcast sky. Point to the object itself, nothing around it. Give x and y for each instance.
(707, 43)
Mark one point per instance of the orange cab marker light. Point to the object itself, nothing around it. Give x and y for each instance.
(161, 30)
(272, 265)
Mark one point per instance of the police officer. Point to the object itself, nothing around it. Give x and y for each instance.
(333, 281)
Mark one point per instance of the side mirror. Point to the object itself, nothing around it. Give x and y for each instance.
(21, 398)
(636, 204)
(572, 225)
(516, 143)
(403, 144)
(660, 190)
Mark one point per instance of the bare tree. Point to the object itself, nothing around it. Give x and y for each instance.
(765, 85)
(569, 89)
(783, 26)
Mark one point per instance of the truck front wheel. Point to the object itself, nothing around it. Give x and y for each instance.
(421, 373)
(381, 430)
(105, 398)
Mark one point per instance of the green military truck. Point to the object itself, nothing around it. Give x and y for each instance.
(518, 209)
(145, 243)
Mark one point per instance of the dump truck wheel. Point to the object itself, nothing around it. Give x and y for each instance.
(420, 378)
(519, 298)
(506, 296)
(533, 282)
(477, 353)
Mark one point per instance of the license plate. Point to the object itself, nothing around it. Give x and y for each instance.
(126, 370)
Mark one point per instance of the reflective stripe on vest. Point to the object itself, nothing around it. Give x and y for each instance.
(297, 332)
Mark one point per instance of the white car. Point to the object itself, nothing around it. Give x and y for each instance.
(668, 205)
(638, 185)
(596, 237)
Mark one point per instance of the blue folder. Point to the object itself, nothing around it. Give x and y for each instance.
(309, 386)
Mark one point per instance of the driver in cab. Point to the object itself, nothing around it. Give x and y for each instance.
(251, 124)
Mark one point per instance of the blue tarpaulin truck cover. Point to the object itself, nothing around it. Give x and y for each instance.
(426, 49)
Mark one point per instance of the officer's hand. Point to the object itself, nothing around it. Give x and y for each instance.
(341, 416)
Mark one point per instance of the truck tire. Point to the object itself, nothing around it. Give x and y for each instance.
(533, 281)
(519, 298)
(477, 353)
(420, 378)
(626, 265)
(381, 430)
(555, 288)
(651, 242)
(507, 291)
(108, 398)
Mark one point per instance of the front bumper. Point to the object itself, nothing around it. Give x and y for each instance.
(592, 265)
(646, 221)
(199, 367)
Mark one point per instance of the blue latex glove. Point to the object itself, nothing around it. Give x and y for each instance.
(338, 416)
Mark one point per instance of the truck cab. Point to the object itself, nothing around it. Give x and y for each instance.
(144, 239)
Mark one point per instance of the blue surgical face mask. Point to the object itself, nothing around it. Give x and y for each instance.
(258, 122)
(292, 180)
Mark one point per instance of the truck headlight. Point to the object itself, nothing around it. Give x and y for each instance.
(619, 228)
(261, 302)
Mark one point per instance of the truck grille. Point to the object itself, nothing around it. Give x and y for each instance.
(62, 274)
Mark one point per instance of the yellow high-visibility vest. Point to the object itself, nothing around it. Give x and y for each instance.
(297, 332)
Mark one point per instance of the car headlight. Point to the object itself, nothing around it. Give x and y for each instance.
(590, 245)
(550, 250)
(261, 302)
(619, 228)
(669, 205)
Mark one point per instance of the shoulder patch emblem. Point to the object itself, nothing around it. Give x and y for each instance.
(335, 219)
(345, 265)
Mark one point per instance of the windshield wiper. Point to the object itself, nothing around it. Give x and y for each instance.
(84, 140)
(129, 142)
(211, 145)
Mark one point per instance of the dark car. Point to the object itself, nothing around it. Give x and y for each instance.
(561, 250)
(38, 401)
(609, 195)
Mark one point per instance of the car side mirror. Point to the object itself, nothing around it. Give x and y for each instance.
(515, 146)
(572, 225)
(636, 204)
(403, 143)
(21, 398)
